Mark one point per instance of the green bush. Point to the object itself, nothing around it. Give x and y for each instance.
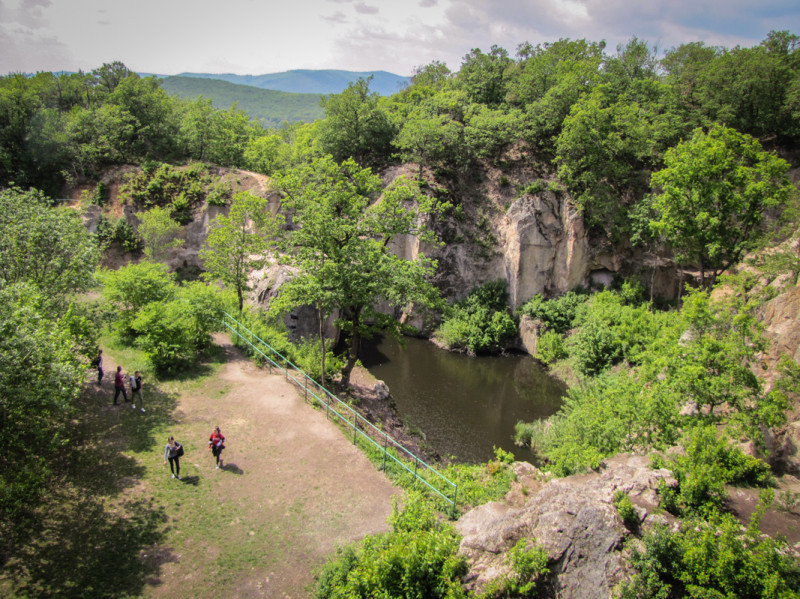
(717, 559)
(550, 347)
(709, 464)
(528, 563)
(418, 559)
(480, 323)
(556, 314)
(625, 509)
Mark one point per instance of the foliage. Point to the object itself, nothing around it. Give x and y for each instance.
(528, 563)
(356, 127)
(481, 483)
(555, 314)
(131, 288)
(238, 243)
(714, 190)
(306, 354)
(625, 509)
(158, 233)
(44, 246)
(481, 322)
(550, 347)
(340, 247)
(418, 559)
(716, 558)
(269, 107)
(709, 464)
(43, 358)
(163, 185)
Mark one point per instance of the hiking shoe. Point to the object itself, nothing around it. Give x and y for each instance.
(142, 410)
(217, 466)
(173, 476)
(177, 476)
(133, 407)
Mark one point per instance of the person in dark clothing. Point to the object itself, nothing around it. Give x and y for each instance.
(119, 385)
(98, 363)
(171, 454)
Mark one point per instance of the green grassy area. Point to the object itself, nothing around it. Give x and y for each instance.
(114, 519)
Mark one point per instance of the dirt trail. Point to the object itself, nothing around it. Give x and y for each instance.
(289, 475)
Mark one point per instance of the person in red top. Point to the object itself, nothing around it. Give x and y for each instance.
(119, 385)
(216, 442)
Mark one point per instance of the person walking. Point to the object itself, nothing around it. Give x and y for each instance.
(216, 442)
(119, 385)
(136, 389)
(98, 363)
(172, 453)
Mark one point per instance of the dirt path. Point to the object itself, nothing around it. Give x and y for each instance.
(292, 489)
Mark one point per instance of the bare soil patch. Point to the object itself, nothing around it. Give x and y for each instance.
(291, 490)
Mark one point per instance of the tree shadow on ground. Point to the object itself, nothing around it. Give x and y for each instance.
(85, 550)
(86, 539)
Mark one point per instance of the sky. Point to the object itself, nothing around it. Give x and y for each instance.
(268, 36)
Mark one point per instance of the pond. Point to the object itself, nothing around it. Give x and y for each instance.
(464, 406)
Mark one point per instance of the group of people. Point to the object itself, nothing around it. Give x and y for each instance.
(134, 380)
(174, 450)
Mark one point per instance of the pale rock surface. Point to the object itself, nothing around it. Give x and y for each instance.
(574, 520)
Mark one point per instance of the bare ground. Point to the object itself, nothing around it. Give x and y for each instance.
(289, 476)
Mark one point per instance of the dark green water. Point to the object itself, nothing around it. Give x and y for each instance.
(464, 405)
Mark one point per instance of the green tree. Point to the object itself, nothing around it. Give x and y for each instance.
(131, 288)
(239, 243)
(341, 247)
(713, 192)
(159, 233)
(44, 246)
(356, 126)
(482, 75)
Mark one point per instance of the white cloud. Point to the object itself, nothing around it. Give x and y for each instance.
(365, 9)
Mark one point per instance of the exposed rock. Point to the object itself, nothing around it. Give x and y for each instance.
(301, 322)
(574, 520)
(529, 330)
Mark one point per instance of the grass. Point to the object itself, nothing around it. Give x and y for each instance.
(113, 519)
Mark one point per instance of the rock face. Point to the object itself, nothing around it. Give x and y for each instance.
(573, 519)
(544, 245)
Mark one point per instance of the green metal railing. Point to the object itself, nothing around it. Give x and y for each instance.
(393, 453)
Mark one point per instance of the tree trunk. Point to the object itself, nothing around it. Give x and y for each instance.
(322, 345)
(352, 351)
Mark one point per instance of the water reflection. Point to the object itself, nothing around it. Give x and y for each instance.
(464, 405)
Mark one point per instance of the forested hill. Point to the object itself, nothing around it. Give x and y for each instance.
(307, 81)
(267, 106)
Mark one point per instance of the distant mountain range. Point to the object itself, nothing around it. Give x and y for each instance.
(268, 106)
(276, 98)
(306, 81)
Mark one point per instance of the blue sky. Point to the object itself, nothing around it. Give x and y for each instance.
(265, 36)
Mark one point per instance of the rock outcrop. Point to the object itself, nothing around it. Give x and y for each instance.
(573, 519)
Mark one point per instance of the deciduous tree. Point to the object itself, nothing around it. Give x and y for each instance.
(341, 247)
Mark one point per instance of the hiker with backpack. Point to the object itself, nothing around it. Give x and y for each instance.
(172, 453)
(136, 389)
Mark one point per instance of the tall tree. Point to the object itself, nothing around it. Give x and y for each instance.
(714, 190)
(356, 126)
(239, 243)
(341, 247)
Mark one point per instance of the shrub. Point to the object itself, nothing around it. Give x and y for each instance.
(528, 563)
(550, 347)
(480, 323)
(625, 509)
(556, 314)
(709, 464)
(712, 559)
(419, 558)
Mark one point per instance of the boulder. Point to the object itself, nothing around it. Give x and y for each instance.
(574, 519)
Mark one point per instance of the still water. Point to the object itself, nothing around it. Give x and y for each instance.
(463, 405)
